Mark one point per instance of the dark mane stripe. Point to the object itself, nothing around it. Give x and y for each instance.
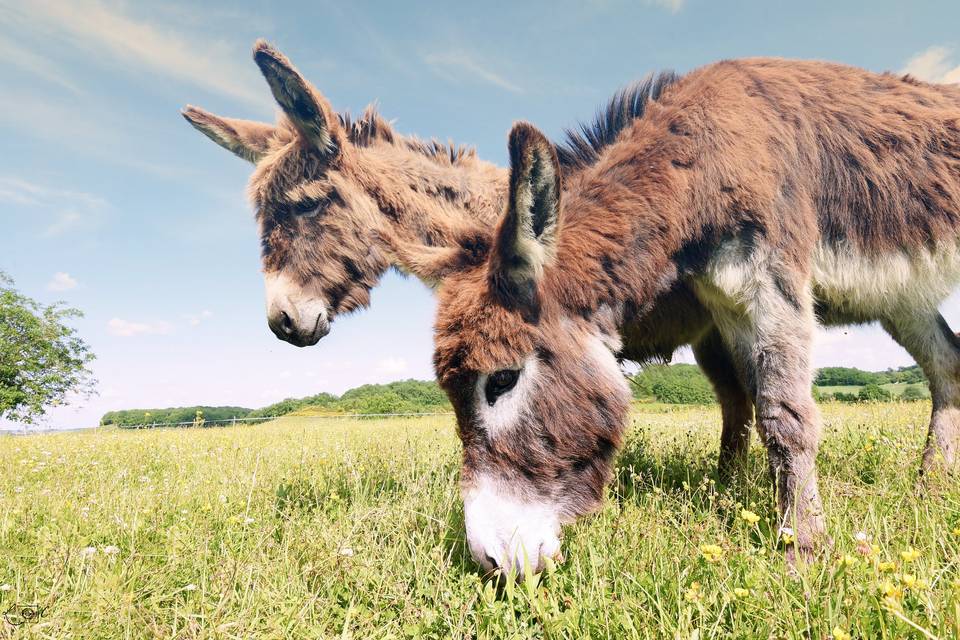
(584, 145)
(371, 127)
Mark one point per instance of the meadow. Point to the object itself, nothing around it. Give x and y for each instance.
(353, 528)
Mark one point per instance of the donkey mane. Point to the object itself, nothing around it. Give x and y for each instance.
(583, 145)
(371, 127)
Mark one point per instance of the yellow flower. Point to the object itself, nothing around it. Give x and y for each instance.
(910, 554)
(848, 560)
(711, 552)
(786, 534)
(886, 567)
(868, 447)
(956, 531)
(908, 580)
(891, 592)
(840, 634)
(921, 585)
(749, 516)
(694, 593)
(740, 592)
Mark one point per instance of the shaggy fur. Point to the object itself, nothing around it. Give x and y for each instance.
(751, 195)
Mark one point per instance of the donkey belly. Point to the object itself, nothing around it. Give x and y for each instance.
(850, 286)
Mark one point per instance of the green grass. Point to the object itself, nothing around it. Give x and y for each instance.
(312, 528)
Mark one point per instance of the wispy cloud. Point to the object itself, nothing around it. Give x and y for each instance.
(128, 329)
(453, 64)
(196, 319)
(62, 210)
(111, 36)
(673, 6)
(935, 64)
(62, 281)
(36, 65)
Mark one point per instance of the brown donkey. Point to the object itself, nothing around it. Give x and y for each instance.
(340, 201)
(773, 190)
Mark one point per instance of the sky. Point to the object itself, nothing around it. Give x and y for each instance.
(110, 202)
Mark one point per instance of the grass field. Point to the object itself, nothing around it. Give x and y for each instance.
(895, 389)
(326, 528)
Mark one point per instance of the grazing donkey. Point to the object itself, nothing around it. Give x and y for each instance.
(339, 201)
(773, 190)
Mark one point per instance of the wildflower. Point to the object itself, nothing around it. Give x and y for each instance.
(886, 567)
(787, 535)
(346, 552)
(908, 580)
(840, 634)
(86, 552)
(910, 554)
(741, 593)
(861, 536)
(249, 520)
(921, 585)
(694, 593)
(190, 587)
(749, 516)
(6, 587)
(868, 447)
(712, 552)
(848, 560)
(891, 592)
(956, 531)
(111, 550)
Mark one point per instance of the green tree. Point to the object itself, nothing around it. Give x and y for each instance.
(913, 392)
(873, 393)
(42, 359)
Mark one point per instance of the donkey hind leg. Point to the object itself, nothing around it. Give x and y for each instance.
(736, 406)
(928, 338)
(771, 343)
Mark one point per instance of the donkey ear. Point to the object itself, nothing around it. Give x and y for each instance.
(431, 264)
(309, 111)
(527, 237)
(248, 139)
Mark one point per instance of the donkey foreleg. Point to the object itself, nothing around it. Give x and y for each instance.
(769, 335)
(934, 346)
(736, 406)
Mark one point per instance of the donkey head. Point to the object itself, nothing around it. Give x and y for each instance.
(317, 223)
(539, 396)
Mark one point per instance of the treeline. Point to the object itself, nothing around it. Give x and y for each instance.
(851, 377)
(404, 396)
(131, 417)
(686, 384)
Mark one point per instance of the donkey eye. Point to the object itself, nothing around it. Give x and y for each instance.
(499, 383)
(309, 208)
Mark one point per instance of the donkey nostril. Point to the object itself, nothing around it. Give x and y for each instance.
(286, 324)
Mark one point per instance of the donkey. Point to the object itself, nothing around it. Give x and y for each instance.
(339, 201)
(776, 191)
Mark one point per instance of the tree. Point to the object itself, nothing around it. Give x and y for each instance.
(42, 359)
(873, 393)
(913, 392)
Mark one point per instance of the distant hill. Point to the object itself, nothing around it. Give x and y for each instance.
(402, 396)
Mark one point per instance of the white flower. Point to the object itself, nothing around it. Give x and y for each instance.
(248, 520)
(861, 536)
(86, 552)
(6, 587)
(190, 587)
(111, 550)
(346, 551)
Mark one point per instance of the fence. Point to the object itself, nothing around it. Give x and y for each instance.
(232, 422)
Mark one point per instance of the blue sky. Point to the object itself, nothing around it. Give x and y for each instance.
(111, 202)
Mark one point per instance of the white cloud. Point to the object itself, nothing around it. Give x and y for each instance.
(115, 38)
(64, 210)
(391, 366)
(128, 329)
(936, 64)
(673, 6)
(62, 281)
(452, 65)
(35, 64)
(195, 319)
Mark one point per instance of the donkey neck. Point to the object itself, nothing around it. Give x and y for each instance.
(427, 198)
